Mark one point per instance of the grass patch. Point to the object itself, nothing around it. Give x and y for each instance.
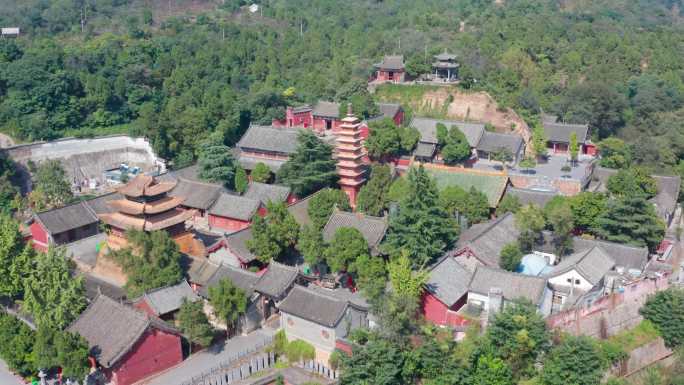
(85, 132)
(638, 336)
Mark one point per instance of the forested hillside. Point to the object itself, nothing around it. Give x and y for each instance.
(176, 70)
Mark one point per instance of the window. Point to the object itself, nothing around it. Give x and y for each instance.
(577, 282)
(569, 280)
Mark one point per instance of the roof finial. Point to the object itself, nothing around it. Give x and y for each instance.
(349, 109)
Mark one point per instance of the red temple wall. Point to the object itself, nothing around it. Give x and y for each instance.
(438, 313)
(226, 223)
(155, 351)
(40, 236)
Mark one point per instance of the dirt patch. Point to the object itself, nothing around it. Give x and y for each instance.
(6, 141)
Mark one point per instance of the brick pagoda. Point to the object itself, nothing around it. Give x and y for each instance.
(146, 206)
(350, 165)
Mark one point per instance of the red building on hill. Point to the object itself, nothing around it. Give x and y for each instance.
(127, 344)
(391, 69)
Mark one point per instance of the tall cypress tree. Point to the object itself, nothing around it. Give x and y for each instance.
(631, 220)
(421, 228)
(310, 168)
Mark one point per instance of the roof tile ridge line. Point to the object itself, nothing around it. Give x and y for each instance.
(204, 183)
(91, 304)
(239, 270)
(59, 208)
(286, 267)
(145, 293)
(491, 226)
(305, 198)
(512, 273)
(322, 294)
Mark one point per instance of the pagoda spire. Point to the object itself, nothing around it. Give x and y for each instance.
(350, 166)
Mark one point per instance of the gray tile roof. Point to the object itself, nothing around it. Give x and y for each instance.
(448, 280)
(67, 218)
(112, 329)
(302, 108)
(269, 139)
(626, 256)
(241, 278)
(327, 110)
(237, 244)
(200, 270)
(513, 285)
(264, 192)
(560, 132)
(445, 56)
(531, 196)
(388, 110)
(99, 204)
(168, 299)
(300, 210)
(425, 150)
(197, 195)
(592, 264)
(428, 129)
(234, 206)
(492, 141)
(314, 306)
(277, 279)
(355, 299)
(668, 194)
(85, 250)
(486, 240)
(190, 173)
(391, 62)
(249, 162)
(372, 228)
(95, 286)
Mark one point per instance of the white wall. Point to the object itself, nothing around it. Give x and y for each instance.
(297, 328)
(574, 277)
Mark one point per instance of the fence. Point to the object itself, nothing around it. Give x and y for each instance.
(320, 369)
(237, 367)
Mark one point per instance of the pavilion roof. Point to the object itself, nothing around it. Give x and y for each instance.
(145, 185)
(391, 62)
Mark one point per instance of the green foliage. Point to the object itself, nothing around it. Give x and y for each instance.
(666, 311)
(310, 244)
(631, 220)
(261, 173)
(539, 140)
(378, 362)
(344, 248)
(16, 345)
(51, 186)
(560, 218)
(406, 282)
(530, 222)
(152, 260)
(299, 350)
(492, 371)
(398, 190)
(502, 154)
(12, 265)
(472, 204)
(194, 324)
(69, 351)
(323, 203)
(371, 276)
(511, 255)
(275, 234)
(576, 360)
(573, 149)
(421, 227)
(241, 182)
(52, 296)
(518, 336)
(310, 168)
(586, 208)
(456, 148)
(527, 163)
(229, 303)
(614, 153)
(388, 139)
(216, 163)
(632, 182)
(372, 198)
(508, 204)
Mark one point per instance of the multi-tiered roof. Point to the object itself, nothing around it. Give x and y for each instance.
(350, 165)
(146, 206)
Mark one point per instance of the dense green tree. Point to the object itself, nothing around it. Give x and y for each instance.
(372, 198)
(508, 204)
(530, 222)
(241, 182)
(261, 173)
(405, 281)
(561, 220)
(194, 324)
(573, 149)
(510, 257)
(586, 208)
(576, 360)
(310, 244)
(527, 163)
(16, 345)
(51, 186)
(323, 203)
(472, 204)
(398, 190)
(346, 246)
(632, 182)
(492, 371)
(388, 139)
(614, 153)
(630, 220)
(53, 348)
(502, 155)
(11, 245)
(518, 335)
(539, 140)
(665, 310)
(152, 260)
(371, 276)
(378, 362)
(275, 234)
(216, 163)
(229, 303)
(456, 148)
(310, 168)
(52, 296)
(421, 227)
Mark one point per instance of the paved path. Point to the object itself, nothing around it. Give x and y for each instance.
(206, 360)
(6, 377)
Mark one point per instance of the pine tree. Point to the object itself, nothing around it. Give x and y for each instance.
(631, 220)
(241, 181)
(323, 203)
(52, 189)
(311, 245)
(421, 227)
(11, 245)
(346, 246)
(229, 302)
(510, 257)
(530, 222)
(261, 173)
(216, 163)
(194, 323)
(456, 147)
(310, 168)
(372, 198)
(275, 234)
(574, 147)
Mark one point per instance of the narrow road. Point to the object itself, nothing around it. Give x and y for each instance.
(6, 377)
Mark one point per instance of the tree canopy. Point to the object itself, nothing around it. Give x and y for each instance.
(229, 303)
(631, 220)
(310, 168)
(275, 234)
(323, 203)
(51, 187)
(372, 198)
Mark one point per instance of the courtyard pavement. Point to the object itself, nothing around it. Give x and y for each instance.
(6, 377)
